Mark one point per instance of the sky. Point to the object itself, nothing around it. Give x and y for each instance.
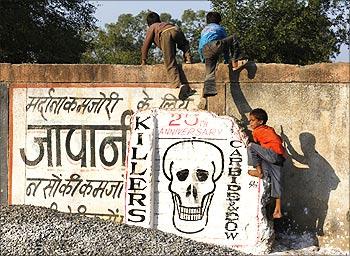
(108, 11)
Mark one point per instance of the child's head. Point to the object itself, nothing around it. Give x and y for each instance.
(257, 117)
(152, 18)
(213, 17)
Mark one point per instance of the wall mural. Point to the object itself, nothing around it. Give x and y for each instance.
(192, 183)
(199, 186)
(68, 145)
(134, 155)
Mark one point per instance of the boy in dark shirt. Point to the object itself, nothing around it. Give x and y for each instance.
(268, 155)
(167, 37)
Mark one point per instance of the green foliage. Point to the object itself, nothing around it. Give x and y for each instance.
(63, 31)
(43, 31)
(121, 42)
(192, 25)
(287, 31)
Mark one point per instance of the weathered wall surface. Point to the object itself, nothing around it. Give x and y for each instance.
(309, 104)
(309, 107)
(187, 173)
(3, 142)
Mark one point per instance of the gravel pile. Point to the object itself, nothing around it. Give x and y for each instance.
(32, 230)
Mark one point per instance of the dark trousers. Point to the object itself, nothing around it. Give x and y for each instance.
(271, 164)
(211, 53)
(169, 40)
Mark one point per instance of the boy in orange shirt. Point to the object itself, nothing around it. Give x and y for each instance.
(268, 155)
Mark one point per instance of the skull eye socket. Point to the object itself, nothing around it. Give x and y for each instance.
(182, 175)
(202, 175)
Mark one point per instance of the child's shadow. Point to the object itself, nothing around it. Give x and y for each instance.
(237, 94)
(308, 180)
(238, 97)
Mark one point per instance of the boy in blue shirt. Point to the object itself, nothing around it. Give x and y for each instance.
(212, 44)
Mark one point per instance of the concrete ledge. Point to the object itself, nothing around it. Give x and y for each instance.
(96, 73)
(283, 73)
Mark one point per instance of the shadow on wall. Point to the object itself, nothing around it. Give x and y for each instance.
(308, 181)
(244, 108)
(238, 97)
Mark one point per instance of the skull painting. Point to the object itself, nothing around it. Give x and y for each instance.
(192, 167)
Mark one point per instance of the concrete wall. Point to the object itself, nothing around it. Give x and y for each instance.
(3, 142)
(187, 173)
(309, 104)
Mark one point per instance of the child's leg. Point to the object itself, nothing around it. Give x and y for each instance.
(258, 172)
(177, 37)
(277, 212)
(266, 154)
(211, 52)
(183, 45)
(168, 47)
(275, 172)
(256, 162)
(209, 81)
(232, 46)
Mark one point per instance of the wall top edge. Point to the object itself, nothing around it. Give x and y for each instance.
(111, 73)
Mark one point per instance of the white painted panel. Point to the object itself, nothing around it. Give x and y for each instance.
(75, 142)
(201, 186)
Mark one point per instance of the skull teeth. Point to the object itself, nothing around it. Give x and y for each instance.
(190, 213)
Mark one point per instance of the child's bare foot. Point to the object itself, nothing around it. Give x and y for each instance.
(257, 172)
(277, 215)
(203, 104)
(238, 64)
(188, 59)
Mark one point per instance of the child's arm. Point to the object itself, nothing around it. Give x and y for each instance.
(147, 44)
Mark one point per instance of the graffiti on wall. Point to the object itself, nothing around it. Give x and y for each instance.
(108, 152)
(69, 145)
(139, 181)
(192, 183)
(51, 104)
(234, 187)
(199, 185)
